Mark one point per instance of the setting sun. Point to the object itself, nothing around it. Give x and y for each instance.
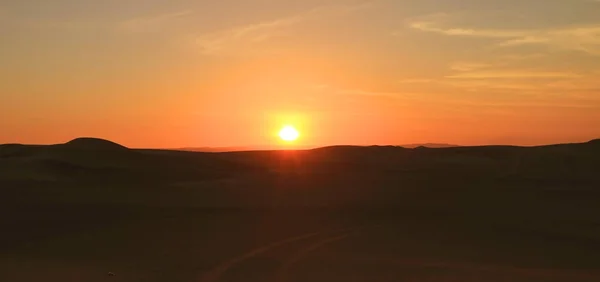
(289, 133)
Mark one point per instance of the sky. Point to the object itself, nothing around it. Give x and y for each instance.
(192, 73)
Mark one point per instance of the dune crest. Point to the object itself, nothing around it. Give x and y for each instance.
(89, 143)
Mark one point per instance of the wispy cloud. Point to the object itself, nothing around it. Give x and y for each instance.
(152, 23)
(538, 102)
(340, 92)
(214, 43)
(514, 74)
(415, 80)
(493, 69)
(523, 95)
(219, 41)
(468, 66)
(431, 26)
(528, 83)
(521, 57)
(584, 38)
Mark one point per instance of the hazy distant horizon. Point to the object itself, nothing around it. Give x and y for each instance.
(270, 147)
(303, 147)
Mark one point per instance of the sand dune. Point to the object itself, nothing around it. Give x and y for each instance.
(90, 206)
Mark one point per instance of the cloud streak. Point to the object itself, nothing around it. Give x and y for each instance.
(583, 38)
(152, 23)
(221, 41)
(514, 74)
(214, 43)
(468, 66)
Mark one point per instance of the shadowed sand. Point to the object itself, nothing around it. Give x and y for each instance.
(79, 210)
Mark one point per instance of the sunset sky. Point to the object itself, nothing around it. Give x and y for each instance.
(184, 73)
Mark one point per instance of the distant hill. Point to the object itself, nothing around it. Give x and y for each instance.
(594, 142)
(239, 148)
(88, 143)
(101, 170)
(92, 156)
(267, 148)
(226, 149)
(102, 160)
(430, 145)
(90, 206)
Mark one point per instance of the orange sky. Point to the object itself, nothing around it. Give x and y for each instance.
(194, 73)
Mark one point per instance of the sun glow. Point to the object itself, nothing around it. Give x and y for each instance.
(289, 133)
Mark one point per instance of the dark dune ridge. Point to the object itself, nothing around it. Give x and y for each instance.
(89, 170)
(99, 152)
(488, 213)
(358, 176)
(99, 160)
(269, 148)
(89, 143)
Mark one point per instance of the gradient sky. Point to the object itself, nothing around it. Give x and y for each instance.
(175, 73)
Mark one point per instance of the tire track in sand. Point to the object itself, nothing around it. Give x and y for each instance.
(282, 274)
(215, 274)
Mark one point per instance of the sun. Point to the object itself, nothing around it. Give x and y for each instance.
(289, 133)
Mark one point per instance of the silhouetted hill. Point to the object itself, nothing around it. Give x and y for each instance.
(91, 200)
(267, 148)
(238, 148)
(429, 145)
(85, 159)
(87, 143)
(365, 154)
(334, 171)
(595, 142)
(13, 150)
